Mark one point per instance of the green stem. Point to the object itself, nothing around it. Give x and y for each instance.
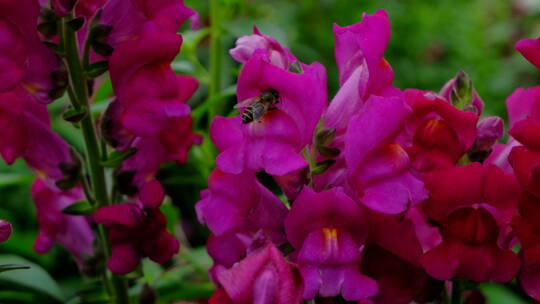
(456, 292)
(79, 99)
(78, 82)
(215, 60)
(311, 154)
(312, 162)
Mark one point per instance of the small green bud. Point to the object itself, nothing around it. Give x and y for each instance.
(322, 166)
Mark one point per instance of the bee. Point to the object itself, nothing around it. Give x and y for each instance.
(256, 107)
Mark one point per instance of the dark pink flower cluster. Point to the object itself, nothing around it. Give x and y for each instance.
(137, 40)
(388, 193)
(73, 232)
(524, 146)
(150, 111)
(138, 229)
(149, 114)
(31, 77)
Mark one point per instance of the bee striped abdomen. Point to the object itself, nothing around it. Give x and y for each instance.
(247, 116)
(254, 112)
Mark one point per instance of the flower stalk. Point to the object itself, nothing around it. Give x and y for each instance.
(456, 296)
(78, 83)
(115, 285)
(215, 60)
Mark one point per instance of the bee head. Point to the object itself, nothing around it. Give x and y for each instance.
(274, 93)
(270, 96)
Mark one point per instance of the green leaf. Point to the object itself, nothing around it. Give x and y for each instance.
(96, 69)
(186, 291)
(76, 24)
(11, 296)
(329, 151)
(8, 179)
(57, 92)
(116, 158)
(9, 267)
(75, 115)
(34, 280)
(99, 32)
(172, 213)
(306, 153)
(55, 48)
(102, 49)
(48, 28)
(500, 294)
(93, 292)
(66, 184)
(321, 167)
(79, 208)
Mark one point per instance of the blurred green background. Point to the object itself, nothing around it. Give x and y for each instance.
(431, 40)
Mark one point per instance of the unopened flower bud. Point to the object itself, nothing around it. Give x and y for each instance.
(5, 230)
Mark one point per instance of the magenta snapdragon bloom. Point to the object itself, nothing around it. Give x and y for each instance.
(378, 168)
(88, 8)
(328, 231)
(524, 118)
(274, 143)
(171, 144)
(470, 251)
(150, 112)
(5, 230)
(473, 206)
(524, 115)
(263, 277)
(489, 130)
(129, 17)
(521, 105)
(242, 215)
(486, 186)
(27, 134)
(437, 134)
(26, 62)
(246, 46)
(63, 7)
(72, 232)
(227, 249)
(137, 230)
(527, 229)
(392, 257)
(238, 202)
(530, 49)
(145, 84)
(400, 282)
(145, 41)
(499, 154)
(363, 71)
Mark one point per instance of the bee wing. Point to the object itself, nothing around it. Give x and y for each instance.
(245, 103)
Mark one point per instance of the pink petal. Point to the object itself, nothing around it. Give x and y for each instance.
(530, 49)
(124, 259)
